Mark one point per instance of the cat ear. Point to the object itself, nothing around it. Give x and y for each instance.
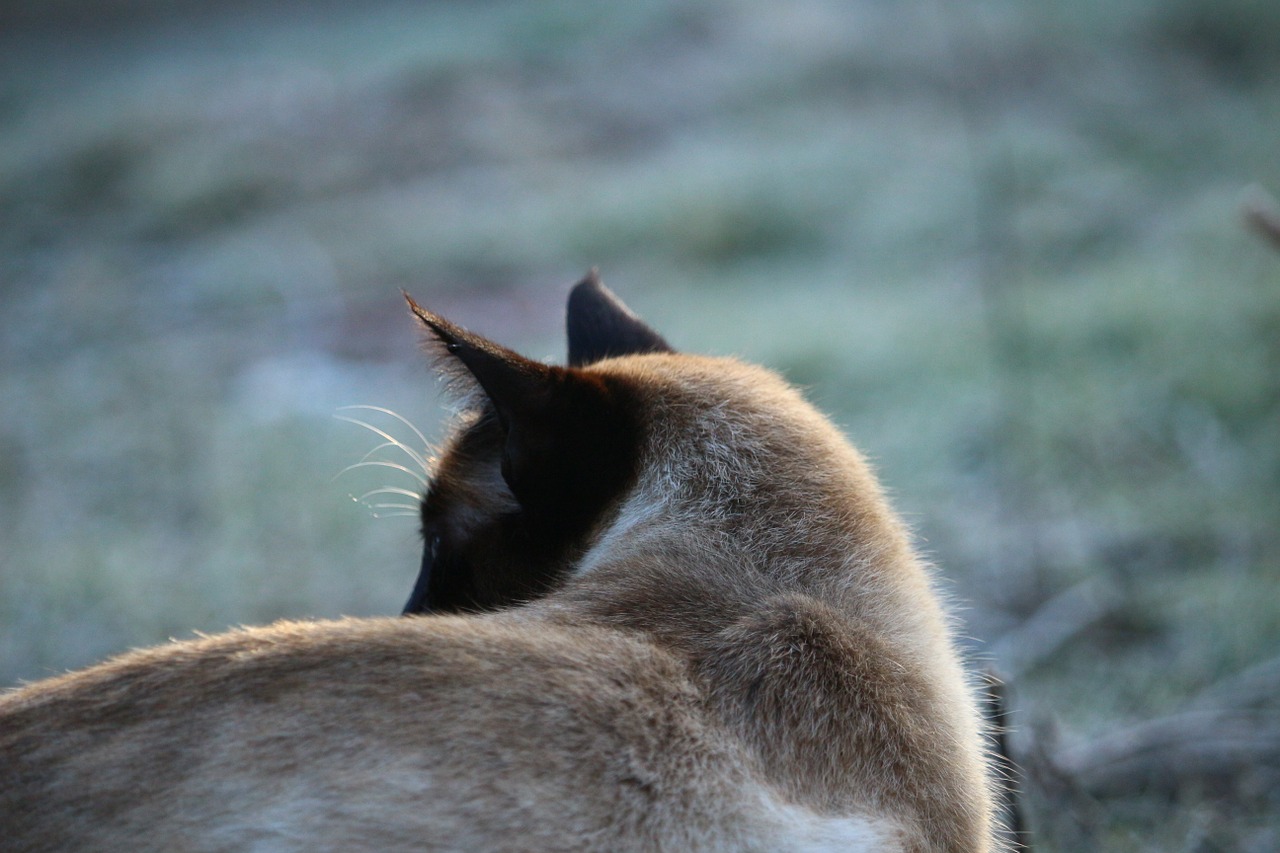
(601, 326)
(570, 438)
(518, 387)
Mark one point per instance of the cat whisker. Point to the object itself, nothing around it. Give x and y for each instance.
(382, 446)
(401, 418)
(382, 463)
(392, 490)
(418, 458)
(376, 510)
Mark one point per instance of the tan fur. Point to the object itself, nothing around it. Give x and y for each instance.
(747, 655)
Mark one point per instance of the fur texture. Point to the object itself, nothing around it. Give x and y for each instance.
(667, 607)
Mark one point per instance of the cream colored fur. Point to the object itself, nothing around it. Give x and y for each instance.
(747, 656)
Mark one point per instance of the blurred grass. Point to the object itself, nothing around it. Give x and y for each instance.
(1001, 244)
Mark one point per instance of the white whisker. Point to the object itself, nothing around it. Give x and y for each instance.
(409, 451)
(395, 415)
(392, 490)
(382, 463)
(382, 446)
(401, 510)
(430, 462)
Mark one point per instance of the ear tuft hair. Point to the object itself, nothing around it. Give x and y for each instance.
(441, 345)
(516, 385)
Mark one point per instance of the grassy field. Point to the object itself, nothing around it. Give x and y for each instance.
(1001, 243)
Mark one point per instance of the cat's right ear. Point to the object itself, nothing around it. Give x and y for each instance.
(569, 437)
(519, 387)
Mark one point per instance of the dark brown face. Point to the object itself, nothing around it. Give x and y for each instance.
(520, 489)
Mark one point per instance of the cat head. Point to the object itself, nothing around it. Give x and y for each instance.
(634, 454)
(541, 456)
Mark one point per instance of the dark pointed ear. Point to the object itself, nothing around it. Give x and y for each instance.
(517, 386)
(570, 438)
(601, 326)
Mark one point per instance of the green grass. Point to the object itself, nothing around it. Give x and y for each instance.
(1000, 244)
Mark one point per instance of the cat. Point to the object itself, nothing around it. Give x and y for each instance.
(663, 605)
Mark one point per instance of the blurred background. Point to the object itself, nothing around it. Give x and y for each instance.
(1023, 253)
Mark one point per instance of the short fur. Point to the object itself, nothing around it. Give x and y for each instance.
(683, 618)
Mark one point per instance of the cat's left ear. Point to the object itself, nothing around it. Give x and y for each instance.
(600, 326)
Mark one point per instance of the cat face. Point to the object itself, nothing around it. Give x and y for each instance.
(542, 455)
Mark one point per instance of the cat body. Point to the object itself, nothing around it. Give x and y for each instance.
(663, 606)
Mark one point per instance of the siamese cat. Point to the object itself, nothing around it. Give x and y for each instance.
(663, 605)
